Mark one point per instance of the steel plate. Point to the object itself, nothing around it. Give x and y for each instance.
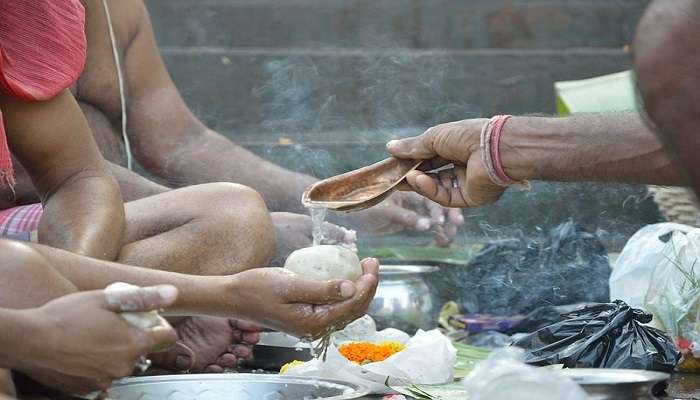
(605, 383)
(233, 386)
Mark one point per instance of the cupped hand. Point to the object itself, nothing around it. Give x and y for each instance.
(82, 343)
(294, 232)
(466, 183)
(279, 299)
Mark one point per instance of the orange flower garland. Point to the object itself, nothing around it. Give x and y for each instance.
(366, 352)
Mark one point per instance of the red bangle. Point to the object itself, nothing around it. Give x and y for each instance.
(496, 126)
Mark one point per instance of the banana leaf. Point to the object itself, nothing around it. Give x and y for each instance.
(607, 93)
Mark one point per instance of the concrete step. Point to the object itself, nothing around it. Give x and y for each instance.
(370, 95)
(452, 24)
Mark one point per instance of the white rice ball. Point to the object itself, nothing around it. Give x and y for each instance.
(324, 263)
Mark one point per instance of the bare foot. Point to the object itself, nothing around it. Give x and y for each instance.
(207, 344)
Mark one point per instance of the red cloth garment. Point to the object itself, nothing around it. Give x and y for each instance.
(42, 52)
(18, 223)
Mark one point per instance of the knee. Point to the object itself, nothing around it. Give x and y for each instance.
(18, 259)
(28, 280)
(243, 216)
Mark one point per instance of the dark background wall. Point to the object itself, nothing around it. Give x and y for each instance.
(337, 78)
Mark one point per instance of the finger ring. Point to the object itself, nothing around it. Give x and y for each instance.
(455, 182)
(143, 364)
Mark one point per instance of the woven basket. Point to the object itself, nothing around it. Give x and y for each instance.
(677, 204)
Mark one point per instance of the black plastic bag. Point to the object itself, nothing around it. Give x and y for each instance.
(609, 335)
(567, 265)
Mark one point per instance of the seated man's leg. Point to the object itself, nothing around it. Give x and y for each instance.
(210, 229)
(28, 281)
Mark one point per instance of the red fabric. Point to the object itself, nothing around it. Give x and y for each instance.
(42, 46)
(42, 52)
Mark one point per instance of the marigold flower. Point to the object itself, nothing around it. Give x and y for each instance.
(366, 352)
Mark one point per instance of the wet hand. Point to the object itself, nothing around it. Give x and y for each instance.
(466, 183)
(278, 299)
(82, 343)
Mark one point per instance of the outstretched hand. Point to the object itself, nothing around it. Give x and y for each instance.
(454, 146)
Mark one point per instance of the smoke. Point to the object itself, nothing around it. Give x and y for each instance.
(339, 107)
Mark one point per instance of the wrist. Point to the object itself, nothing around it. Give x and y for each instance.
(21, 337)
(524, 147)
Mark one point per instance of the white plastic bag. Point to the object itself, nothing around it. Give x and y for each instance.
(674, 296)
(659, 271)
(505, 376)
(428, 358)
(633, 270)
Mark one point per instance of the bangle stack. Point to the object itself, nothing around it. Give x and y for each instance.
(491, 154)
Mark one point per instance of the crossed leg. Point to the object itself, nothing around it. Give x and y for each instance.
(209, 229)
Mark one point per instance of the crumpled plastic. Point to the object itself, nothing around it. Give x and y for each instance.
(608, 335)
(504, 376)
(632, 275)
(428, 358)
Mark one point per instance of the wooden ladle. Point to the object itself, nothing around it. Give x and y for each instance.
(359, 189)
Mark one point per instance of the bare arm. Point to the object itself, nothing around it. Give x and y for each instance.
(83, 210)
(271, 297)
(13, 334)
(602, 148)
(172, 143)
(133, 185)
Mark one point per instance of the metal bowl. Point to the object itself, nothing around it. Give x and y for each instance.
(603, 384)
(276, 349)
(233, 386)
(404, 300)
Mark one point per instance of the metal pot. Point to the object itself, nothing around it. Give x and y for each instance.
(276, 349)
(404, 299)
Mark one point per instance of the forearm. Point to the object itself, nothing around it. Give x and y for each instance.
(210, 157)
(14, 329)
(197, 294)
(133, 186)
(601, 148)
(85, 215)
